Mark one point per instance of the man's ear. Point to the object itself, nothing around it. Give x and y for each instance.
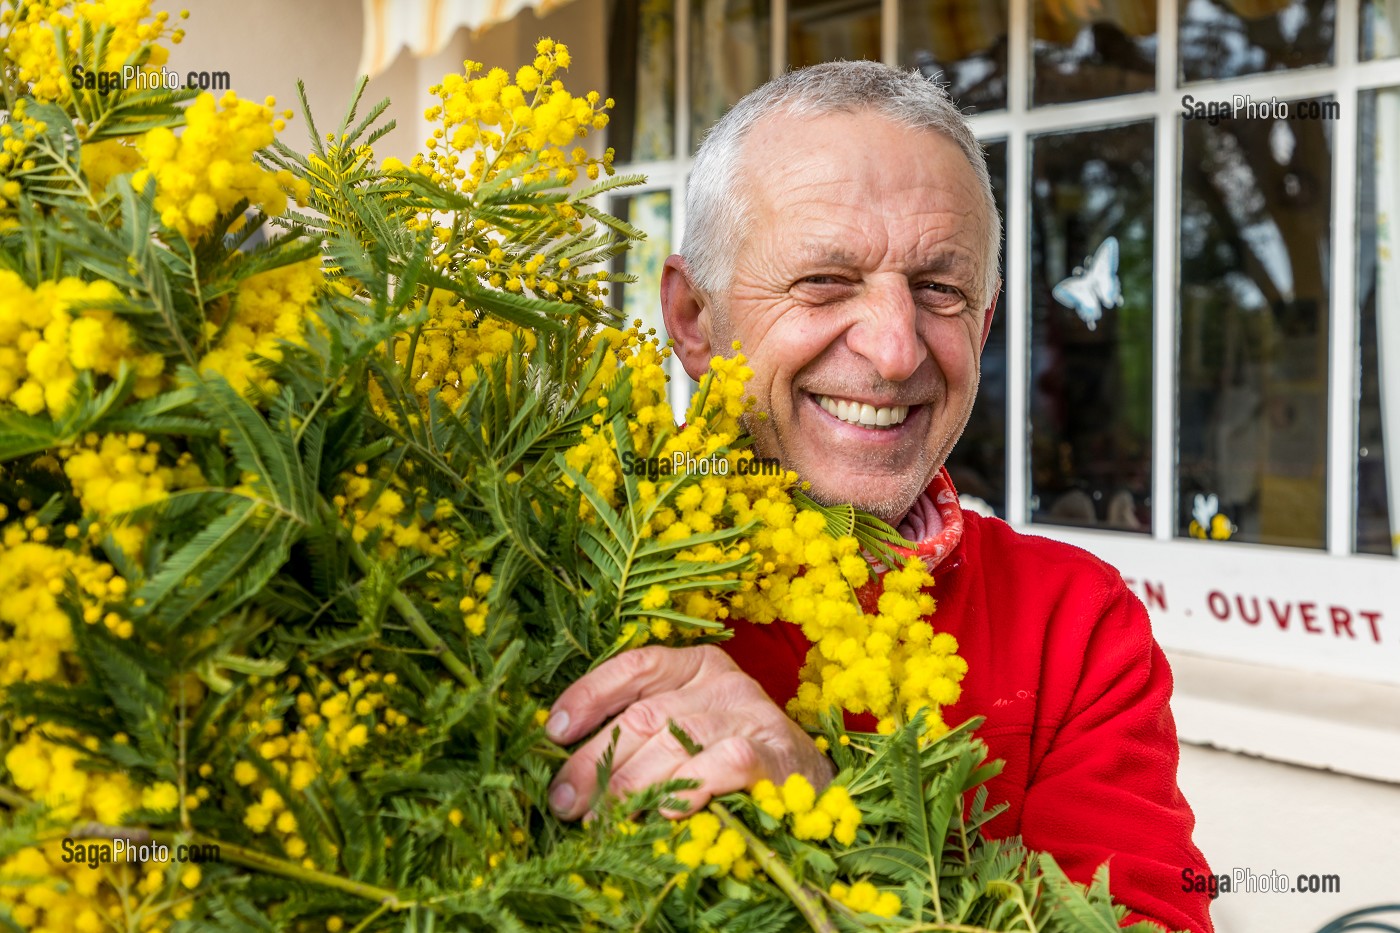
(987, 318)
(689, 317)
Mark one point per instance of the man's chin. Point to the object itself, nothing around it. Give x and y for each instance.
(888, 500)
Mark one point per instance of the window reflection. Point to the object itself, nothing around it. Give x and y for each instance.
(1091, 320)
(1255, 247)
(828, 30)
(960, 42)
(1380, 29)
(651, 213)
(729, 46)
(1086, 50)
(978, 462)
(642, 80)
(1378, 286)
(1227, 38)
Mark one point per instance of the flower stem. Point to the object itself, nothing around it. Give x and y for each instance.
(261, 861)
(807, 905)
(405, 608)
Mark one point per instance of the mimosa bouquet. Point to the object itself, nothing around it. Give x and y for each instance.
(312, 500)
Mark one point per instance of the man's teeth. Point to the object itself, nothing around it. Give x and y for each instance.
(862, 414)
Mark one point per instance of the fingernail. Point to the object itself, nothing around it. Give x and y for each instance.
(556, 728)
(561, 798)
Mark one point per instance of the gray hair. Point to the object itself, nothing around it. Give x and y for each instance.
(717, 215)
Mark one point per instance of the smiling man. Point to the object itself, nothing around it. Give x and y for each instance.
(841, 228)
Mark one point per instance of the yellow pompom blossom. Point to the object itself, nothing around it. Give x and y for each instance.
(491, 121)
(268, 308)
(209, 167)
(864, 898)
(452, 348)
(705, 843)
(115, 473)
(52, 333)
(387, 513)
(106, 159)
(54, 895)
(833, 815)
(32, 50)
(35, 630)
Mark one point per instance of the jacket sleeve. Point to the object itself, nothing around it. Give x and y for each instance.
(1103, 780)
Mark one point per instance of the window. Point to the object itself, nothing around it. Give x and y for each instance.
(1186, 346)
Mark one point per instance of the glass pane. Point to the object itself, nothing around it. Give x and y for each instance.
(1226, 38)
(642, 80)
(1091, 327)
(1378, 262)
(961, 42)
(827, 30)
(1380, 29)
(1085, 50)
(1255, 249)
(978, 462)
(729, 46)
(651, 213)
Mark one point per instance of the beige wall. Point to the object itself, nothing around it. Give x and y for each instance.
(266, 46)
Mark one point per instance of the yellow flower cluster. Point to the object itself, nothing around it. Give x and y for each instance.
(16, 137)
(210, 167)
(473, 606)
(864, 898)
(268, 308)
(32, 44)
(454, 345)
(115, 473)
(39, 890)
(52, 333)
(34, 628)
(706, 843)
(378, 511)
(106, 159)
(330, 720)
(491, 121)
(889, 663)
(833, 815)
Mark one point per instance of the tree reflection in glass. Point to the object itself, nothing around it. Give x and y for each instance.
(1090, 49)
(1228, 38)
(1091, 327)
(1252, 358)
(962, 43)
(978, 462)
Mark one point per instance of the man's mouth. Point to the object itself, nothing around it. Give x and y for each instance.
(862, 413)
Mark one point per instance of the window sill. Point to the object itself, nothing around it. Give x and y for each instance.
(1314, 720)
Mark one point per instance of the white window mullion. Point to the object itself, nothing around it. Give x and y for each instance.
(1017, 284)
(1165, 280)
(1343, 388)
(889, 32)
(778, 50)
(679, 387)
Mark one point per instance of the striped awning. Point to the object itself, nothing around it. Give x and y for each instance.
(425, 26)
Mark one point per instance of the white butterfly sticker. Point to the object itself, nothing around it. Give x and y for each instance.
(1204, 508)
(1094, 287)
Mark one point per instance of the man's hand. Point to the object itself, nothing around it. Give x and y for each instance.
(745, 736)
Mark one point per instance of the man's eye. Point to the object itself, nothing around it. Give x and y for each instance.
(941, 297)
(819, 280)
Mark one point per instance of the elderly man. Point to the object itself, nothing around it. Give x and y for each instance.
(841, 226)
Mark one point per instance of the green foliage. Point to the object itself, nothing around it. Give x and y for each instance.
(335, 643)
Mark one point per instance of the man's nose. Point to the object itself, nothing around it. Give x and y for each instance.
(887, 333)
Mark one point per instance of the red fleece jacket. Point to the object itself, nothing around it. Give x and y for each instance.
(1062, 663)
